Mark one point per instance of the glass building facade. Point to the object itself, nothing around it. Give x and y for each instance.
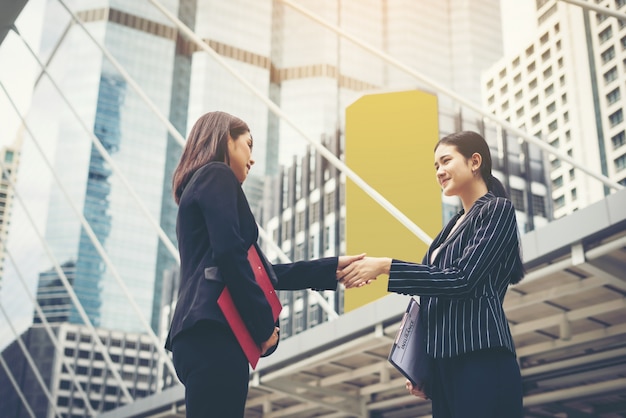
(100, 186)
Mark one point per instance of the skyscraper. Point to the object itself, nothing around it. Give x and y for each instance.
(97, 185)
(576, 58)
(319, 73)
(10, 157)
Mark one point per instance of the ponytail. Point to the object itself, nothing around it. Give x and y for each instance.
(495, 186)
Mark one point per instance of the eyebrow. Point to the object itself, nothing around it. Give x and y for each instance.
(440, 158)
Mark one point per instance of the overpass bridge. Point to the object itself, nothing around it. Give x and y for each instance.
(568, 318)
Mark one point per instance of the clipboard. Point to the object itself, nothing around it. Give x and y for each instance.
(225, 301)
(408, 352)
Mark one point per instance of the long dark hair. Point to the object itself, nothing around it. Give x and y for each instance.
(207, 141)
(467, 143)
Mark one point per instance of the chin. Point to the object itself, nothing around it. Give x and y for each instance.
(448, 192)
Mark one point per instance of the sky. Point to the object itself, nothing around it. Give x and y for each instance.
(18, 69)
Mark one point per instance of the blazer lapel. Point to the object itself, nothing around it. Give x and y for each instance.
(441, 238)
(442, 242)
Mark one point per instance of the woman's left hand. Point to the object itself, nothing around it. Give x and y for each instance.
(415, 391)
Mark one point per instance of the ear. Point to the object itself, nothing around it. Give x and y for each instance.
(477, 161)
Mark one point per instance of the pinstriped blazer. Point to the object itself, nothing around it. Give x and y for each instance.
(462, 291)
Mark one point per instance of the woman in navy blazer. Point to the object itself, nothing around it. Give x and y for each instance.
(215, 228)
(461, 282)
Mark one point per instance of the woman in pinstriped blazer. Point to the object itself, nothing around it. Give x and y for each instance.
(461, 283)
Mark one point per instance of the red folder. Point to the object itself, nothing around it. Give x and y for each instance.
(226, 304)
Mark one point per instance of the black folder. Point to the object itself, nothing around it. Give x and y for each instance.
(408, 353)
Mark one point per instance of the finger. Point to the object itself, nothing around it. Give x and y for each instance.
(351, 284)
(357, 282)
(419, 394)
(348, 269)
(357, 257)
(347, 277)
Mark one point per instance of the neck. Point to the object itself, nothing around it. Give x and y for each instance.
(474, 193)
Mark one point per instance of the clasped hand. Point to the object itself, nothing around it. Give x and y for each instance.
(271, 341)
(357, 271)
(352, 271)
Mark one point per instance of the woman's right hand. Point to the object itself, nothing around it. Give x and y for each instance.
(363, 271)
(271, 342)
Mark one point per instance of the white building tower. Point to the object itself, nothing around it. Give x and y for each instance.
(566, 87)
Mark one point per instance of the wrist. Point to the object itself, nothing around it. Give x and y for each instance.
(385, 265)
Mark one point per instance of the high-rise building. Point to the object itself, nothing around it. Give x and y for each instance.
(313, 73)
(306, 220)
(138, 155)
(133, 354)
(10, 159)
(576, 58)
(317, 73)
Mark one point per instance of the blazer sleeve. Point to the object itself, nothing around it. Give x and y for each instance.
(320, 274)
(217, 195)
(466, 263)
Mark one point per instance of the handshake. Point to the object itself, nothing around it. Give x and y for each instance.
(359, 270)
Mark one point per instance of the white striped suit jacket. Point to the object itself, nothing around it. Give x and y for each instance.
(462, 291)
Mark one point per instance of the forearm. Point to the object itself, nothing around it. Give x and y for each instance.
(315, 274)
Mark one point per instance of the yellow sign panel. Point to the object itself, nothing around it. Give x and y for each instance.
(390, 140)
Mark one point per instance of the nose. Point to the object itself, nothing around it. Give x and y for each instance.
(251, 162)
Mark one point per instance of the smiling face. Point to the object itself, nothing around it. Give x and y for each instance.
(240, 155)
(454, 171)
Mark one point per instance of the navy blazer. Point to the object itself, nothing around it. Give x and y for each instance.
(215, 228)
(462, 291)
